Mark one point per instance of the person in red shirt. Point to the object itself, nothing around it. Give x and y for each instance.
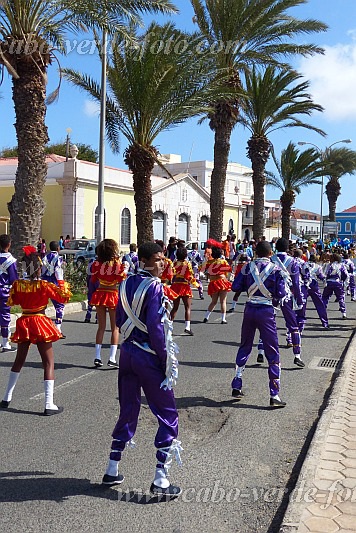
(34, 327)
(182, 281)
(217, 268)
(108, 271)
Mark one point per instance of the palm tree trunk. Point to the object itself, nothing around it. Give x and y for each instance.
(333, 191)
(27, 206)
(287, 200)
(258, 151)
(141, 164)
(218, 179)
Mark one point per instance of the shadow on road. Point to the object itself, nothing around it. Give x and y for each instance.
(29, 486)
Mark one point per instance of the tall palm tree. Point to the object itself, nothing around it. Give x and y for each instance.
(295, 170)
(338, 163)
(151, 91)
(30, 32)
(242, 33)
(274, 99)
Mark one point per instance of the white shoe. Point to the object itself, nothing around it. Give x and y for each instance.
(344, 315)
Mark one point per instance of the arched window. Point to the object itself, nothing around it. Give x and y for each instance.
(348, 226)
(125, 226)
(231, 226)
(159, 230)
(183, 227)
(204, 228)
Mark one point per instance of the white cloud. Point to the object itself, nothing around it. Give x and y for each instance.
(91, 108)
(333, 79)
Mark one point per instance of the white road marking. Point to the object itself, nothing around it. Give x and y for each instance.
(65, 385)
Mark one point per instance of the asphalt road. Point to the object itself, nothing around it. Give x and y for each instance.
(241, 459)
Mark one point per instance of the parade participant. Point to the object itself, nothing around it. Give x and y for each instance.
(265, 287)
(181, 285)
(196, 260)
(108, 270)
(171, 248)
(131, 260)
(350, 267)
(52, 270)
(290, 272)
(226, 247)
(34, 327)
(217, 268)
(336, 275)
(8, 274)
(61, 242)
(147, 360)
(91, 288)
(242, 261)
(43, 248)
(304, 279)
(167, 275)
(313, 271)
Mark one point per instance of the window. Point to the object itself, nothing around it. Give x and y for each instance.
(339, 226)
(125, 226)
(184, 195)
(348, 226)
(248, 188)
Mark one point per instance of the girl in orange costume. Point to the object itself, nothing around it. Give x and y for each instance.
(167, 274)
(217, 269)
(34, 326)
(109, 272)
(182, 281)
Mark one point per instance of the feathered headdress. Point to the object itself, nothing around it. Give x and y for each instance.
(29, 250)
(211, 243)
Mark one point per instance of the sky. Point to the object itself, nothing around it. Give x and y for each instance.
(332, 78)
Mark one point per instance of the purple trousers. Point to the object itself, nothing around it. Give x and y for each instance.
(90, 307)
(315, 295)
(5, 317)
(292, 325)
(141, 369)
(352, 285)
(337, 288)
(260, 317)
(59, 311)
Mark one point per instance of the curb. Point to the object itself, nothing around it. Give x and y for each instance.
(304, 488)
(75, 307)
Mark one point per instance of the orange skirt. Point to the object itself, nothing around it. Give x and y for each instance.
(105, 297)
(171, 295)
(182, 289)
(35, 329)
(221, 284)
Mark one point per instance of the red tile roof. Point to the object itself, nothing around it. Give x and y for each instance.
(350, 210)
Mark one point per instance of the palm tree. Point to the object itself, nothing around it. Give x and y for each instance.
(30, 32)
(274, 99)
(338, 163)
(242, 33)
(151, 91)
(295, 170)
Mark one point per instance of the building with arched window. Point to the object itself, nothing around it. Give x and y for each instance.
(347, 223)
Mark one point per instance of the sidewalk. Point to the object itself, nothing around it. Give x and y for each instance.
(324, 499)
(74, 307)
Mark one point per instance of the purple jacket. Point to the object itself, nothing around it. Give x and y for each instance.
(294, 272)
(150, 315)
(336, 273)
(8, 274)
(52, 269)
(274, 283)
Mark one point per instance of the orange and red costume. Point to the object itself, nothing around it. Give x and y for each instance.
(109, 275)
(217, 270)
(183, 278)
(33, 295)
(166, 278)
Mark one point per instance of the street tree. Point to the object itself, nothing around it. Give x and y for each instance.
(242, 33)
(149, 92)
(274, 99)
(295, 170)
(31, 33)
(338, 163)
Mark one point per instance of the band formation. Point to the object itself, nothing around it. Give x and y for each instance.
(141, 292)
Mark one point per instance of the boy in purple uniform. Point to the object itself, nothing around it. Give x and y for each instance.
(52, 270)
(314, 272)
(265, 287)
(8, 274)
(131, 260)
(196, 260)
(147, 360)
(91, 289)
(350, 267)
(290, 271)
(336, 275)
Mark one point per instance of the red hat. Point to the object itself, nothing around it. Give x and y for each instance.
(29, 250)
(211, 243)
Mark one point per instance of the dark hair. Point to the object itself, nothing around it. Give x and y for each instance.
(194, 245)
(160, 243)
(148, 249)
(297, 252)
(312, 258)
(335, 258)
(216, 252)
(346, 255)
(282, 245)
(107, 250)
(133, 247)
(171, 240)
(4, 241)
(181, 243)
(263, 249)
(243, 258)
(30, 264)
(53, 246)
(181, 253)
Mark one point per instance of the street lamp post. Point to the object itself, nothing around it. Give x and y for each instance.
(322, 155)
(69, 131)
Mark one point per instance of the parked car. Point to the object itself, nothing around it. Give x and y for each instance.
(201, 246)
(79, 250)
